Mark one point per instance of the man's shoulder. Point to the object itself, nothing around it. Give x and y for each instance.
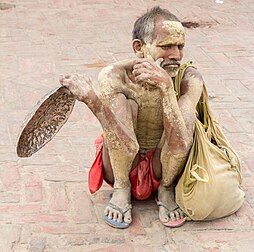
(192, 71)
(116, 69)
(192, 79)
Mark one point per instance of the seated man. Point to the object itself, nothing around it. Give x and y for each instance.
(147, 132)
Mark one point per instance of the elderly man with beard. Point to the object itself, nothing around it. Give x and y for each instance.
(147, 132)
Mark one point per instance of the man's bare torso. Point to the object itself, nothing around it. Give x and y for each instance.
(149, 127)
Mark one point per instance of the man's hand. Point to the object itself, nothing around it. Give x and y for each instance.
(79, 85)
(150, 72)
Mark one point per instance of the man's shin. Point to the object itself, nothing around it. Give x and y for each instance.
(172, 166)
(121, 166)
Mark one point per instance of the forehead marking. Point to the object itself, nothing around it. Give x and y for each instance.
(173, 27)
(175, 32)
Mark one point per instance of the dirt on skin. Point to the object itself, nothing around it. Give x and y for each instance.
(116, 79)
(175, 32)
(149, 119)
(174, 29)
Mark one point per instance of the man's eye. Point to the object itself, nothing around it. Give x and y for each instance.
(166, 47)
(180, 47)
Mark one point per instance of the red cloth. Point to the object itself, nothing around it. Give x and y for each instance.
(143, 181)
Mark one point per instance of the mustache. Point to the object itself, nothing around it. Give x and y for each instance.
(169, 63)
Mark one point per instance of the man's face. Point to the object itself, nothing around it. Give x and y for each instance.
(168, 44)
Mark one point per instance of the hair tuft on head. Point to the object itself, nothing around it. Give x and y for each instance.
(144, 26)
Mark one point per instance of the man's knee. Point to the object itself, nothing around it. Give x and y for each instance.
(173, 162)
(177, 150)
(124, 158)
(167, 156)
(133, 148)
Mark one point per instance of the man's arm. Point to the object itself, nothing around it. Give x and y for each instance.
(110, 107)
(179, 116)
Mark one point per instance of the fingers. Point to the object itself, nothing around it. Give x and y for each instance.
(146, 66)
(159, 61)
(143, 77)
(63, 79)
(146, 63)
(74, 78)
(87, 80)
(143, 69)
(79, 85)
(149, 74)
(139, 61)
(136, 72)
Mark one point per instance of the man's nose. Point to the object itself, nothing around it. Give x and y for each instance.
(175, 53)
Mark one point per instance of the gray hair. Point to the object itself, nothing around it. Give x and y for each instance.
(144, 26)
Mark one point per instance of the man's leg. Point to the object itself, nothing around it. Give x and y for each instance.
(118, 162)
(117, 117)
(167, 167)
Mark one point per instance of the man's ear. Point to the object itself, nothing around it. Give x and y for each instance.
(137, 46)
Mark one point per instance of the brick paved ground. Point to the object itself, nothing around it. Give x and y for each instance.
(45, 204)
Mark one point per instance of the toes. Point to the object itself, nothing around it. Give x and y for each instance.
(172, 216)
(163, 215)
(177, 215)
(127, 217)
(115, 216)
(120, 200)
(164, 219)
(120, 217)
(106, 211)
(110, 215)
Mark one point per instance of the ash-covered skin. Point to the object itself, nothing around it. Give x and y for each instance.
(175, 30)
(169, 35)
(138, 110)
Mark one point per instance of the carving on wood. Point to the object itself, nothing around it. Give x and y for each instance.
(52, 113)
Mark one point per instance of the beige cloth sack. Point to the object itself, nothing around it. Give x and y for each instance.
(209, 187)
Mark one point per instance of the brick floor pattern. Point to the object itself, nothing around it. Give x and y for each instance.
(45, 204)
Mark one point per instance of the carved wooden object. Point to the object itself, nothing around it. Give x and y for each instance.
(52, 112)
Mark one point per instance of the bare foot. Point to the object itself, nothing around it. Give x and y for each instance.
(168, 209)
(119, 208)
(79, 85)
